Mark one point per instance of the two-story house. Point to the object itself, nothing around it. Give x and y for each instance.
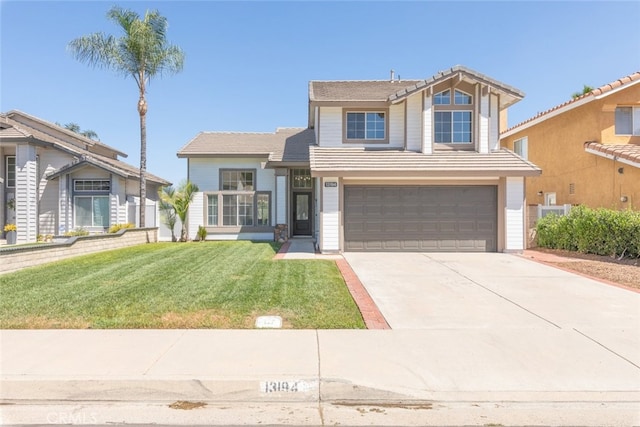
(588, 147)
(396, 165)
(55, 180)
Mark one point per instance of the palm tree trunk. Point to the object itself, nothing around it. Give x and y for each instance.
(142, 109)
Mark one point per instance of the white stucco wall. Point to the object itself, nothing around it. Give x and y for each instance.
(514, 215)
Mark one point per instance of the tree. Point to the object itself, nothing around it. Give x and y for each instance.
(585, 90)
(87, 133)
(142, 52)
(178, 201)
(167, 212)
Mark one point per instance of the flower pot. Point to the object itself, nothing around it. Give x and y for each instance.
(11, 237)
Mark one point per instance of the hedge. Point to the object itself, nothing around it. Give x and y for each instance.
(596, 231)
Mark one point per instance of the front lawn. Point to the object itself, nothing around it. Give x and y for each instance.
(178, 285)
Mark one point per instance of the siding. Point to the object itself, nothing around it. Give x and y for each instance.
(414, 122)
(330, 217)
(427, 126)
(194, 216)
(26, 194)
(483, 125)
(49, 161)
(494, 121)
(396, 126)
(330, 127)
(514, 214)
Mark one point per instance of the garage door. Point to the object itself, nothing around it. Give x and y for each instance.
(420, 218)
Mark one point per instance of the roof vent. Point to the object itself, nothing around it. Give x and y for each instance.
(393, 76)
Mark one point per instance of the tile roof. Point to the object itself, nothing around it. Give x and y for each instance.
(627, 153)
(12, 129)
(285, 145)
(575, 102)
(367, 162)
(396, 90)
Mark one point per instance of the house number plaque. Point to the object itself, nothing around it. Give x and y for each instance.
(331, 184)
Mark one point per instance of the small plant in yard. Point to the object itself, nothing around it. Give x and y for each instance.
(176, 202)
(117, 227)
(201, 235)
(10, 227)
(79, 231)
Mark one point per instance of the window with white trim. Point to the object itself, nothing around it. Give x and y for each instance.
(453, 122)
(627, 121)
(10, 171)
(80, 185)
(237, 204)
(366, 125)
(520, 147)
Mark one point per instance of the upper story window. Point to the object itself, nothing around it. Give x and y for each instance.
(238, 180)
(452, 127)
(520, 147)
(453, 121)
(10, 172)
(94, 185)
(366, 125)
(459, 98)
(627, 121)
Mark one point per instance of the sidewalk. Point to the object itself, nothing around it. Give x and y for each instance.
(304, 377)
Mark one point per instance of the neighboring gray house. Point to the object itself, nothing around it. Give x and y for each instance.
(396, 165)
(55, 180)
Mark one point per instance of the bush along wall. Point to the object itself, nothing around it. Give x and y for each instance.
(595, 231)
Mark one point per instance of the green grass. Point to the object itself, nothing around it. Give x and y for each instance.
(178, 285)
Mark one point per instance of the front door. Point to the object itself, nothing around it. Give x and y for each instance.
(302, 214)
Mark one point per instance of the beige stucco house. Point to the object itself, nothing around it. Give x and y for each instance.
(588, 148)
(394, 165)
(55, 180)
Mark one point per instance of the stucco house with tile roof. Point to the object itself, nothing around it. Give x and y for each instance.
(395, 165)
(55, 180)
(588, 148)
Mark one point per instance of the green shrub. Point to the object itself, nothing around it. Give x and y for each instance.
(117, 227)
(597, 231)
(201, 234)
(79, 231)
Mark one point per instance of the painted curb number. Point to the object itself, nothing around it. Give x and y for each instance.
(286, 386)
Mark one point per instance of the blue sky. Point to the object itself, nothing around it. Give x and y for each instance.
(248, 63)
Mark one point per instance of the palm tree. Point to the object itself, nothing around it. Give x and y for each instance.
(142, 52)
(74, 127)
(585, 90)
(166, 201)
(176, 202)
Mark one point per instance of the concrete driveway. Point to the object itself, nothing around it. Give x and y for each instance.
(518, 303)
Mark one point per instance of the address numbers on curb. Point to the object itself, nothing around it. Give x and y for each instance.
(287, 386)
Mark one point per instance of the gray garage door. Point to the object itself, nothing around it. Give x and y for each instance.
(429, 218)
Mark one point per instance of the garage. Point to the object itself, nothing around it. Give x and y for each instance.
(421, 218)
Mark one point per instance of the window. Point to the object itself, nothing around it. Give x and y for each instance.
(627, 121)
(520, 147)
(91, 185)
(453, 127)
(92, 211)
(368, 125)
(238, 180)
(263, 206)
(459, 98)
(301, 178)
(10, 172)
(462, 98)
(237, 204)
(442, 98)
(212, 209)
